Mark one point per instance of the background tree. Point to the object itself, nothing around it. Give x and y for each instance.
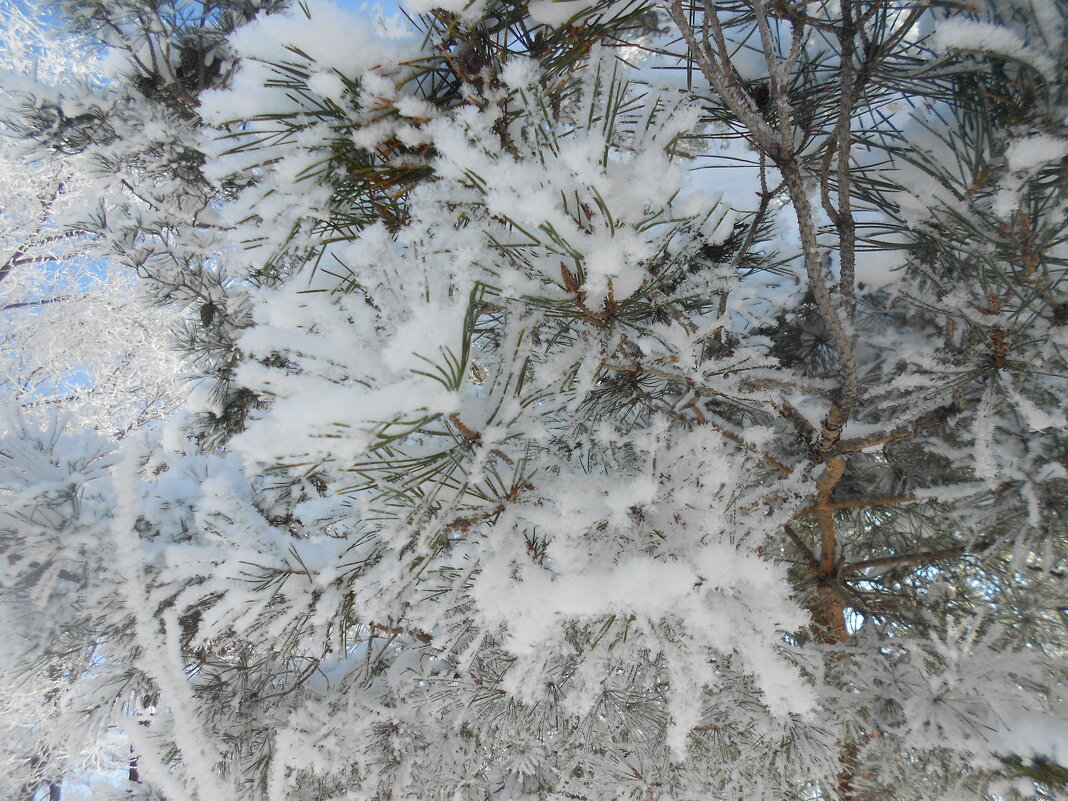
(93, 136)
(74, 335)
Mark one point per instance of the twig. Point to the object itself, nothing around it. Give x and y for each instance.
(741, 442)
(935, 418)
(918, 558)
(860, 503)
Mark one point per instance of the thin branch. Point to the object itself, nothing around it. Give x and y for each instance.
(859, 503)
(766, 196)
(727, 435)
(30, 241)
(778, 76)
(700, 419)
(804, 428)
(935, 418)
(806, 552)
(842, 139)
(721, 75)
(918, 558)
(30, 304)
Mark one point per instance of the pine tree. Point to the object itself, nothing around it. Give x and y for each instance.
(635, 401)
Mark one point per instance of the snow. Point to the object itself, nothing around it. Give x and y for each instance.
(1026, 154)
(520, 73)
(554, 12)
(342, 42)
(327, 84)
(976, 35)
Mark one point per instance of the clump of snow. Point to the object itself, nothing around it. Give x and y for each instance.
(1034, 151)
(520, 72)
(341, 41)
(978, 36)
(555, 12)
(328, 85)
